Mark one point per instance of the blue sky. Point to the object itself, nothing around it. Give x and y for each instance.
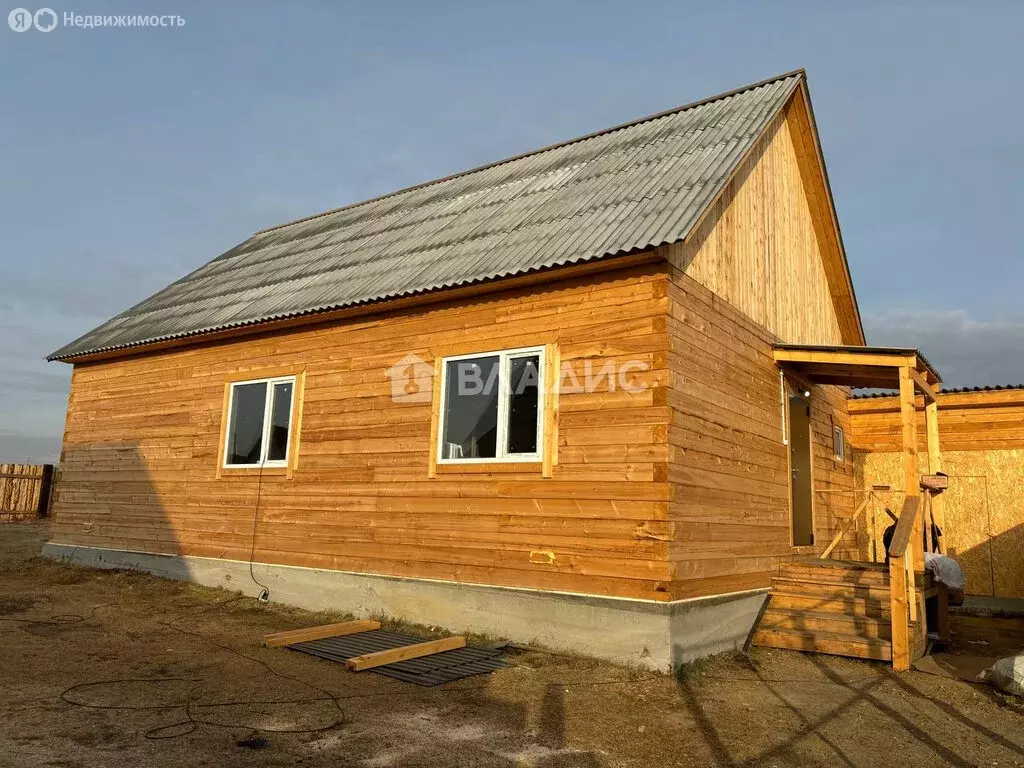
(131, 156)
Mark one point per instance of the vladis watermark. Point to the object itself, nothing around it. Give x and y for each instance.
(412, 378)
(47, 20)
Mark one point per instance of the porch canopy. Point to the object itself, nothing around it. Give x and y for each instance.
(874, 367)
(903, 369)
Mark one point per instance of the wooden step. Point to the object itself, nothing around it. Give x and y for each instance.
(837, 644)
(834, 573)
(875, 607)
(824, 621)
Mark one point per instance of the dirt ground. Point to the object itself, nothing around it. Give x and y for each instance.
(101, 668)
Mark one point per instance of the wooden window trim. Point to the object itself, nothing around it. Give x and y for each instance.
(504, 357)
(839, 439)
(543, 462)
(288, 467)
(490, 467)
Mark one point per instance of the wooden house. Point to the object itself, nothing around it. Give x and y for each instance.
(583, 396)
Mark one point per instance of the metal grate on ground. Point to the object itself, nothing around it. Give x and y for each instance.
(427, 671)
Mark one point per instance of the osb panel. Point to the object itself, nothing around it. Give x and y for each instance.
(984, 510)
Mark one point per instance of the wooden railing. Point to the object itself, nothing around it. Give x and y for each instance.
(847, 524)
(902, 584)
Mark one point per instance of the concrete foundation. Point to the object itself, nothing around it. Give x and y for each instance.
(644, 632)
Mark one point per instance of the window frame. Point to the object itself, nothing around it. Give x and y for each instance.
(268, 405)
(838, 440)
(502, 456)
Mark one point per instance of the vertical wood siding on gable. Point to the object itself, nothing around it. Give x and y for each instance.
(143, 433)
(757, 247)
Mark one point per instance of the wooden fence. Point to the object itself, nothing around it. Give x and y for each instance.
(25, 491)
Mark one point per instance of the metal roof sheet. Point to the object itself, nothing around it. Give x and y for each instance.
(944, 391)
(626, 189)
(435, 669)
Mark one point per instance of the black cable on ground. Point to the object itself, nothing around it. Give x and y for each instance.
(265, 594)
(190, 707)
(57, 620)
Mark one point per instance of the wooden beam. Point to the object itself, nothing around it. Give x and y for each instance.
(923, 385)
(436, 406)
(908, 419)
(899, 614)
(902, 549)
(904, 527)
(549, 436)
(406, 652)
(931, 423)
(840, 357)
(291, 636)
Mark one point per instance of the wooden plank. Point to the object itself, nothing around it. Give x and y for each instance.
(549, 436)
(436, 404)
(847, 524)
(291, 636)
(849, 358)
(24, 491)
(923, 385)
(899, 614)
(911, 469)
(905, 527)
(935, 466)
(390, 656)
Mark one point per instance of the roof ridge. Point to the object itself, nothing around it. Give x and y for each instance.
(801, 72)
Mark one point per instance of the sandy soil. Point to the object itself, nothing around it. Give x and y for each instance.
(115, 668)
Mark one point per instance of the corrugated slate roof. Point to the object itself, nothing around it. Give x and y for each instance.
(943, 391)
(625, 189)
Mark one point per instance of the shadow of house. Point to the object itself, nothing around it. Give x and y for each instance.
(995, 565)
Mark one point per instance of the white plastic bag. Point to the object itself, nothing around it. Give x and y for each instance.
(946, 571)
(1006, 674)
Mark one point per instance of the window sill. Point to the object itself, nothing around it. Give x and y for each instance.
(254, 471)
(491, 468)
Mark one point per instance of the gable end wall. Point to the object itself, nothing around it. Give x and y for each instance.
(751, 276)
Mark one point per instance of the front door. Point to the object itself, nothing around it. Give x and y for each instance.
(800, 470)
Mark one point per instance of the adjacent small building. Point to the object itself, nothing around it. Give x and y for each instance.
(538, 399)
(982, 431)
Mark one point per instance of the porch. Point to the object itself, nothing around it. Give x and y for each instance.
(866, 609)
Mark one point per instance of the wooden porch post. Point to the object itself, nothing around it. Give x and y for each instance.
(931, 422)
(903, 569)
(911, 469)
